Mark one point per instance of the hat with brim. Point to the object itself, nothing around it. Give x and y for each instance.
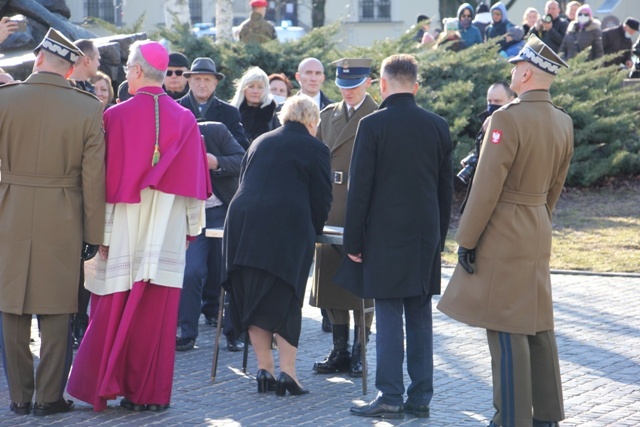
(540, 55)
(203, 66)
(352, 72)
(259, 3)
(56, 43)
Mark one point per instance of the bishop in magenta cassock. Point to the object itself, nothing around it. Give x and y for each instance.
(156, 182)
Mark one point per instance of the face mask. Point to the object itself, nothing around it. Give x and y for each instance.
(583, 19)
(627, 35)
(492, 107)
(279, 98)
(465, 22)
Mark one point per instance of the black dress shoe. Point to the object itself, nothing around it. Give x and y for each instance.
(265, 380)
(56, 407)
(420, 411)
(234, 345)
(129, 405)
(540, 423)
(285, 382)
(20, 408)
(185, 343)
(377, 409)
(157, 408)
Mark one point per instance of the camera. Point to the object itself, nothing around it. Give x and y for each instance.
(635, 72)
(469, 168)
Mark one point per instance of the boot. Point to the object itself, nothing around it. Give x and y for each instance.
(80, 323)
(339, 359)
(356, 352)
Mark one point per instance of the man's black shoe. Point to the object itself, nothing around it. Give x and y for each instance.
(211, 321)
(20, 408)
(57, 407)
(129, 405)
(540, 423)
(420, 411)
(234, 345)
(185, 343)
(157, 408)
(377, 409)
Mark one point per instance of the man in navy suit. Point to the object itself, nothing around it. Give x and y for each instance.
(398, 209)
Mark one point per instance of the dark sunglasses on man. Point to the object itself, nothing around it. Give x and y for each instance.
(178, 73)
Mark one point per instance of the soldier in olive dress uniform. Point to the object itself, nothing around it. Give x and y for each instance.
(502, 282)
(52, 198)
(337, 129)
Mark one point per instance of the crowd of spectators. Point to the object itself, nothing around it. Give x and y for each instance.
(567, 32)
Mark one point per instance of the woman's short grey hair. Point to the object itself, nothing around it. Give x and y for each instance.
(300, 108)
(252, 75)
(135, 57)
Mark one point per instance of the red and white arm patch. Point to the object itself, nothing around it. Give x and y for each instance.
(496, 136)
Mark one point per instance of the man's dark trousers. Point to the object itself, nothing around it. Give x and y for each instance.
(203, 259)
(390, 349)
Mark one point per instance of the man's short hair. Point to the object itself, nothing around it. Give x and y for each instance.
(86, 46)
(402, 68)
(506, 87)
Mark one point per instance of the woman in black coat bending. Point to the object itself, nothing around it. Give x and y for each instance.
(281, 205)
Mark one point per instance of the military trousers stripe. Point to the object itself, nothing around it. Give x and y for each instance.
(526, 378)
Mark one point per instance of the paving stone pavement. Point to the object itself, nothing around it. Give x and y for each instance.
(598, 332)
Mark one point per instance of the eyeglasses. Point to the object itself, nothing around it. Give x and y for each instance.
(178, 73)
(583, 14)
(128, 67)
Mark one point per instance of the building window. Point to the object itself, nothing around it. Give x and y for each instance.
(103, 9)
(195, 9)
(375, 10)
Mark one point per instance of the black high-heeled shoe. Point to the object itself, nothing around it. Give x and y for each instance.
(265, 380)
(285, 382)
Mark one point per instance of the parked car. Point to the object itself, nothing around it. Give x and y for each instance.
(288, 33)
(204, 29)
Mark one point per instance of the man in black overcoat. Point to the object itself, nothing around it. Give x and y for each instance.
(398, 209)
(204, 255)
(201, 100)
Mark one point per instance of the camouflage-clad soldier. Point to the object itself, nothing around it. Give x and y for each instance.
(256, 29)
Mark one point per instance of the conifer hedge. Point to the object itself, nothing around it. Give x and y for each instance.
(454, 84)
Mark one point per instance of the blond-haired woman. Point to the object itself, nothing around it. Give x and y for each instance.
(254, 100)
(281, 205)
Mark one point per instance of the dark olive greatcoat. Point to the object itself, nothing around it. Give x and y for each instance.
(523, 165)
(339, 134)
(52, 192)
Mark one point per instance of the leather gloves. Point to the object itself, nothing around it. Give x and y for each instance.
(466, 257)
(88, 251)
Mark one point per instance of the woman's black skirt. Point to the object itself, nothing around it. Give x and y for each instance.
(259, 298)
